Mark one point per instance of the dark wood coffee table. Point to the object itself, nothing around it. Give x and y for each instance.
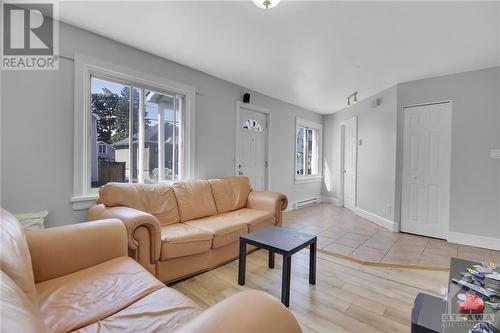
(282, 241)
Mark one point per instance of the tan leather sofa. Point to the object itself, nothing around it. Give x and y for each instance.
(79, 278)
(179, 230)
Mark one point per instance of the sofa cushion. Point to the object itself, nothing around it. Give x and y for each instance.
(194, 199)
(230, 193)
(180, 239)
(225, 228)
(164, 310)
(15, 258)
(19, 314)
(79, 299)
(257, 219)
(155, 199)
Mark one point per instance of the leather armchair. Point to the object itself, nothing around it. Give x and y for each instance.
(260, 314)
(63, 250)
(83, 281)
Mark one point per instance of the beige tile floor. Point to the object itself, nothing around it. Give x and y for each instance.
(342, 232)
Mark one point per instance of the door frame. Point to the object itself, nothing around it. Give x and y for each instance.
(447, 222)
(342, 126)
(239, 106)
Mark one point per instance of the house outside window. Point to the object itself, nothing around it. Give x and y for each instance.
(130, 127)
(308, 151)
(102, 149)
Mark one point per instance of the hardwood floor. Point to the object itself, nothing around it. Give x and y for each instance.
(347, 297)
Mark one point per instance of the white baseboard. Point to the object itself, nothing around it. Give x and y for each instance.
(474, 240)
(381, 221)
(331, 200)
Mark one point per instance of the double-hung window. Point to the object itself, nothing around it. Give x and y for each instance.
(129, 128)
(308, 148)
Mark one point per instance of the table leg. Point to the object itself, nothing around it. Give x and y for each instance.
(285, 283)
(242, 263)
(312, 263)
(271, 259)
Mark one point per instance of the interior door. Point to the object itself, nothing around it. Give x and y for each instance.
(252, 150)
(426, 170)
(350, 162)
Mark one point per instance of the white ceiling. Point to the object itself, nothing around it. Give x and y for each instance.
(311, 54)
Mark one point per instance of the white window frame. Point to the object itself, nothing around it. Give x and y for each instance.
(299, 179)
(85, 67)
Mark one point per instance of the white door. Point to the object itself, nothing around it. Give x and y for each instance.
(252, 147)
(350, 162)
(426, 169)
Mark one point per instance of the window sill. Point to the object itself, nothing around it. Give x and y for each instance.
(82, 202)
(308, 179)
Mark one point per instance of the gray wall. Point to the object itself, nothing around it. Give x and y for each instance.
(37, 127)
(475, 177)
(376, 171)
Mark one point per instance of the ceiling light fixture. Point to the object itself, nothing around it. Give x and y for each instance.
(266, 3)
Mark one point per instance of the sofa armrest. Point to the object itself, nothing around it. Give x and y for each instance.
(245, 312)
(273, 202)
(136, 222)
(63, 250)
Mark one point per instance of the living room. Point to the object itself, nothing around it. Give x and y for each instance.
(366, 133)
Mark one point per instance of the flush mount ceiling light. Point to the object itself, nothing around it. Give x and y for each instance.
(266, 3)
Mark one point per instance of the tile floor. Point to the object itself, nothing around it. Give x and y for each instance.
(340, 231)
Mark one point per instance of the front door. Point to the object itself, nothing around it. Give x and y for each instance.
(252, 147)
(426, 169)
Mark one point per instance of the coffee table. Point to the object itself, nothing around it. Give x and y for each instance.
(282, 241)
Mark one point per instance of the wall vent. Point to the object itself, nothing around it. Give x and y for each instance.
(307, 202)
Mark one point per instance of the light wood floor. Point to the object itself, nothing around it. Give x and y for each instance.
(347, 297)
(342, 232)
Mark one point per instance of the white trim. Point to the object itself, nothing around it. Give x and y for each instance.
(84, 201)
(474, 240)
(267, 113)
(381, 221)
(83, 68)
(302, 179)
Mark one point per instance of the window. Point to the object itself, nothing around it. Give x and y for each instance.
(155, 121)
(130, 127)
(252, 125)
(307, 151)
(102, 149)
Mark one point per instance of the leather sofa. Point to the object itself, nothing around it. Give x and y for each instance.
(79, 278)
(178, 230)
